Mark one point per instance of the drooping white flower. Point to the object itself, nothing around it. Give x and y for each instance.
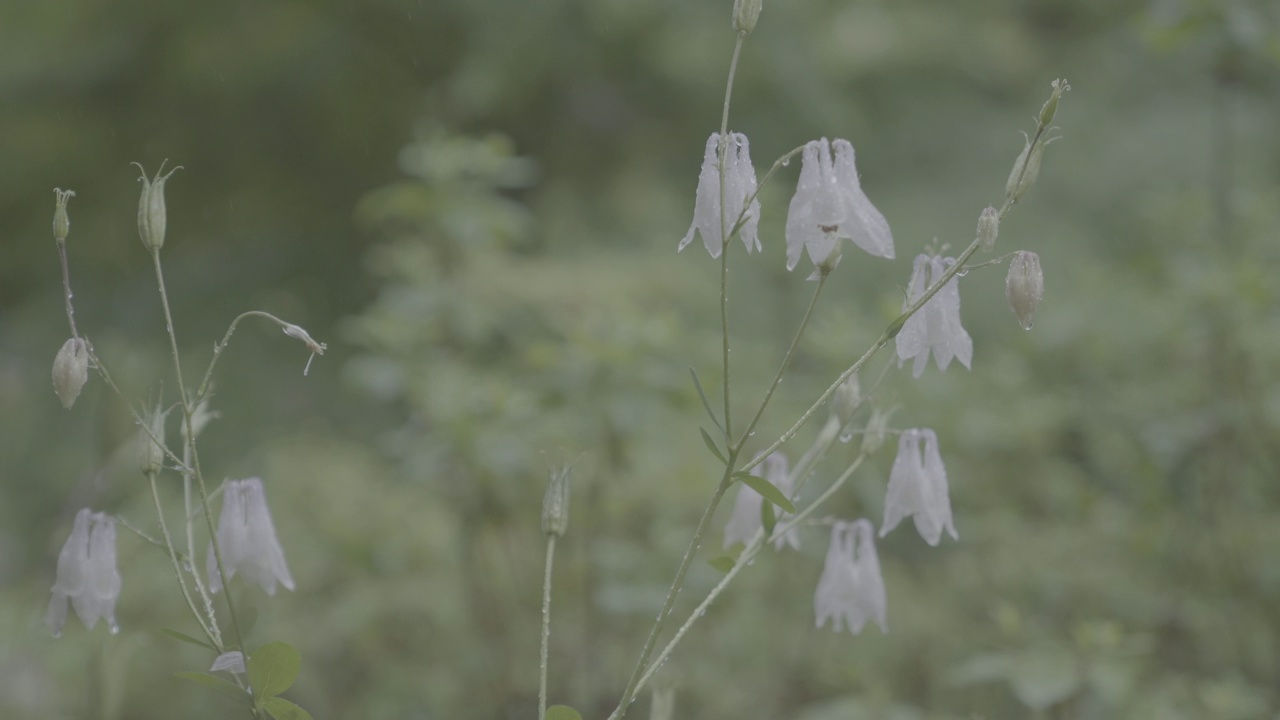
(829, 205)
(851, 589)
(936, 326)
(918, 487)
(247, 539)
(745, 520)
(87, 574)
(739, 184)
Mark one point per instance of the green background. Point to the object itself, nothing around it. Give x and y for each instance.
(476, 204)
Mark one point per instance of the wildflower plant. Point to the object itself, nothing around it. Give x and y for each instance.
(243, 542)
(772, 505)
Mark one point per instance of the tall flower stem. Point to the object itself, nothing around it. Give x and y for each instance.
(726, 479)
(187, 412)
(66, 288)
(546, 628)
(177, 565)
(757, 542)
(786, 359)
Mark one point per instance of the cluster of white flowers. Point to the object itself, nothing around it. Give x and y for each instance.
(828, 205)
(745, 521)
(89, 579)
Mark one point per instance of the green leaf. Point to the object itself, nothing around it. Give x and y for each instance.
(187, 638)
(706, 405)
(218, 685)
(281, 709)
(723, 563)
(563, 712)
(711, 445)
(766, 490)
(768, 518)
(273, 668)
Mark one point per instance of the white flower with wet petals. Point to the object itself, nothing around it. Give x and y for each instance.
(851, 589)
(87, 574)
(918, 487)
(247, 539)
(739, 184)
(829, 205)
(936, 326)
(745, 521)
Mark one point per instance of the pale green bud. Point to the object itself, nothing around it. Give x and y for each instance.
(745, 15)
(151, 210)
(846, 400)
(151, 453)
(1025, 169)
(873, 435)
(1051, 105)
(555, 504)
(1024, 287)
(61, 223)
(71, 370)
(988, 228)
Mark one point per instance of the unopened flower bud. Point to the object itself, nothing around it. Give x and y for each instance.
(846, 400)
(988, 228)
(745, 14)
(151, 452)
(151, 209)
(61, 224)
(1024, 287)
(1025, 169)
(555, 504)
(1051, 105)
(71, 370)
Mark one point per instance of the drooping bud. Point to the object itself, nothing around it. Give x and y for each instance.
(151, 453)
(61, 224)
(298, 333)
(151, 208)
(846, 401)
(555, 504)
(1024, 287)
(745, 15)
(988, 228)
(71, 370)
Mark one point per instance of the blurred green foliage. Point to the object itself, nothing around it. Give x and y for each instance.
(510, 288)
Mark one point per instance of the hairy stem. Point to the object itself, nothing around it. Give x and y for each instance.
(546, 628)
(177, 565)
(66, 288)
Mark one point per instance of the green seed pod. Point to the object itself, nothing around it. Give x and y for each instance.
(745, 15)
(1024, 287)
(988, 228)
(61, 223)
(555, 504)
(151, 209)
(151, 453)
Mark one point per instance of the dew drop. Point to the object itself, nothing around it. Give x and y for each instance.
(114, 628)
(846, 436)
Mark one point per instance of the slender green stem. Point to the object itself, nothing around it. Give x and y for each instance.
(753, 548)
(205, 597)
(725, 237)
(633, 684)
(136, 531)
(546, 628)
(66, 288)
(786, 359)
(187, 412)
(889, 333)
(226, 339)
(177, 566)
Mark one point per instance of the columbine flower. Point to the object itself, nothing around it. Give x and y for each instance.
(918, 487)
(739, 184)
(247, 539)
(87, 574)
(829, 205)
(936, 326)
(851, 590)
(745, 520)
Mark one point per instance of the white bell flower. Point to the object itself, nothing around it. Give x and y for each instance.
(739, 184)
(851, 589)
(918, 487)
(87, 574)
(829, 205)
(247, 539)
(936, 326)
